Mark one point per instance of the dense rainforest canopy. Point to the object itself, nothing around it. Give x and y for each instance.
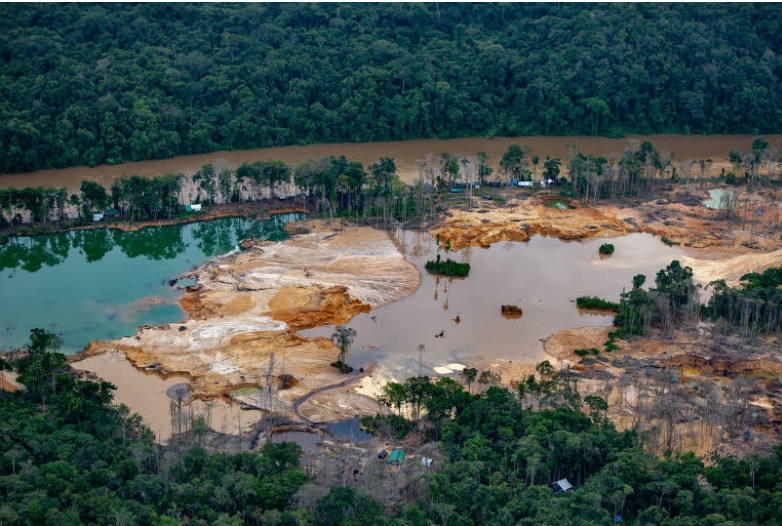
(70, 457)
(108, 83)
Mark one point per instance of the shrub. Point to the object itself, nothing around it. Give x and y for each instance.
(343, 367)
(393, 426)
(668, 241)
(448, 267)
(606, 248)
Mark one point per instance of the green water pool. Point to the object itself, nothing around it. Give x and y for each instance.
(101, 284)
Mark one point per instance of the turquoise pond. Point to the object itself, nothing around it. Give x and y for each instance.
(101, 284)
(720, 199)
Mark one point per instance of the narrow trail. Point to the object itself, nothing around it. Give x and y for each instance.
(343, 383)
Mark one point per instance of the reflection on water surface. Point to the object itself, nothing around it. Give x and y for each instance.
(100, 284)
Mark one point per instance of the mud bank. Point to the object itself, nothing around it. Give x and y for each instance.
(718, 247)
(240, 340)
(681, 218)
(525, 217)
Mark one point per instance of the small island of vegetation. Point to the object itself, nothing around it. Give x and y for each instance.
(448, 267)
(606, 249)
(593, 302)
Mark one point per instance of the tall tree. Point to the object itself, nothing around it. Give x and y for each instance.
(343, 338)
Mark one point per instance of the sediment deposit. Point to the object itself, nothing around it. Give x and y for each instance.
(246, 307)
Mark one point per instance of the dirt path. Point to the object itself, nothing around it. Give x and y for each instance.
(348, 381)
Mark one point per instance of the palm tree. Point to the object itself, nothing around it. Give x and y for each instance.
(469, 374)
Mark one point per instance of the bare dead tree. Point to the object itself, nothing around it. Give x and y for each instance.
(269, 382)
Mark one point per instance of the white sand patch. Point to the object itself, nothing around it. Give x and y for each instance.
(449, 369)
(367, 262)
(217, 332)
(224, 367)
(372, 386)
(341, 403)
(731, 269)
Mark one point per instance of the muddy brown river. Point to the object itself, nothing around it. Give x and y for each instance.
(408, 155)
(151, 396)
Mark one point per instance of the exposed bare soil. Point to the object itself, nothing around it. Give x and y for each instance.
(719, 248)
(699, 390)
(244, 312)
(246, 308)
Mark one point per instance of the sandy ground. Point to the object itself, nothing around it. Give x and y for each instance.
(241, 338)
(8, 382)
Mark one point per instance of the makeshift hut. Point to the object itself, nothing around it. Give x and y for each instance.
(561, 486)
(396, 457)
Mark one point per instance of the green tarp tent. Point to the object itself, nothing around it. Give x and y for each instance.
(396, 457)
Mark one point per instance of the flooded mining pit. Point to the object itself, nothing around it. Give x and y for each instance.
(273, 308)
(455, 320)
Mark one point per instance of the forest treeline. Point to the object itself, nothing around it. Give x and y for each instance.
(338, 186)
(109, 83)
(329, 185)
(70, 457)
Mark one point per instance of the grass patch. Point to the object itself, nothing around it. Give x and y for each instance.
(245, 391)
(559, 204)
(35, 230)
(592, 302)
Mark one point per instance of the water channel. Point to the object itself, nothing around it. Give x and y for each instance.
(101, 284)
(407, 154)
